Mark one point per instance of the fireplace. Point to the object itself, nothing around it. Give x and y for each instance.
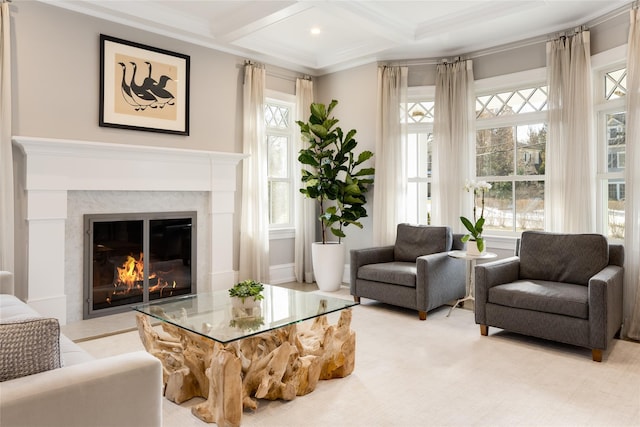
(60, 181)
(138, 257)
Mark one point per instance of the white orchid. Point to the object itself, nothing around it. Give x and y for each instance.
(473, 185)
(476, 227)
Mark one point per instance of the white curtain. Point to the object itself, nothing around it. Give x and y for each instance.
(390, 182)
(454, 139)
(305, 217)
(6, 158)
(254, 225)
(632, 182)
(570, 165)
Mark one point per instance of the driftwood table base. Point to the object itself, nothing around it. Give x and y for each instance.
(279, 364)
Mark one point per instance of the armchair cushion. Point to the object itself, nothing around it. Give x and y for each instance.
(538, 295)
(397, 273)
(413, 241)
(570, 258)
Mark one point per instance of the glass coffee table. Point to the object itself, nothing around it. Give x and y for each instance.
(233, 356)
(213, 315)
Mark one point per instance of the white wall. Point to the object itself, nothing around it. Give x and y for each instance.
(356, 93)
(56, 82)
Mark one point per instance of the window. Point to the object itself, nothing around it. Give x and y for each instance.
(615, 84)
(511, 137)
(280, 125)
(419, 116)
(611, 114)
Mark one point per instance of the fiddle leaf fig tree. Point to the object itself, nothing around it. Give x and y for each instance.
(334, 175)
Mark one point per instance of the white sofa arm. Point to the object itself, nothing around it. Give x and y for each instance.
(114, 391)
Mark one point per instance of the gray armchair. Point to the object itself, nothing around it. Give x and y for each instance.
(560, 287)
(415, 273)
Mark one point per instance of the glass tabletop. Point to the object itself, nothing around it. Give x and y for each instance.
(214, 315)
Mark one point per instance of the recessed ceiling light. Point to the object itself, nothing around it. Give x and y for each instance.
(315, 31)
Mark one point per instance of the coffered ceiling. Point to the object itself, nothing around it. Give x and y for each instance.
(350, 33)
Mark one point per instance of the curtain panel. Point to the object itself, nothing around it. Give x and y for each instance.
(7, 248)
(390, 184)
(254, 222)
(454, 139)
(305, 208)
(570, 166)
(632, 183)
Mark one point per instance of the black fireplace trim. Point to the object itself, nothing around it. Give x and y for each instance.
(146, 217)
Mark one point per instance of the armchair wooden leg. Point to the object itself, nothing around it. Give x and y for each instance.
(422, 315)
(484, 330)
(356, 298)
(596, 355)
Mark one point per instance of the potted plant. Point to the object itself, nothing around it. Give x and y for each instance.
(334, 176)
(475, 246)
(246, 294)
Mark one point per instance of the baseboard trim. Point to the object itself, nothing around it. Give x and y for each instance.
(282, 273)
(285, 273)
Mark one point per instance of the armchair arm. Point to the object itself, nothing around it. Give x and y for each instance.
(360, 257)
(491, 274)
(605, 305)
(457, 244)
(439, 278)
(100, 392)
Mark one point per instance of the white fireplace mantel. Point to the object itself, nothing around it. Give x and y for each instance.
(52, 167)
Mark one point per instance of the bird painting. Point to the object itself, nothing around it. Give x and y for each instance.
(125, 89)
(157, 88)
(151, 93)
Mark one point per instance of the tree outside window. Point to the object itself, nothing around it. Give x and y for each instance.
(511, 154)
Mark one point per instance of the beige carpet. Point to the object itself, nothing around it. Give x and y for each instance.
(441, 372)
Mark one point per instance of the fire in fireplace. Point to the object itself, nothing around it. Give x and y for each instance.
(136, 258)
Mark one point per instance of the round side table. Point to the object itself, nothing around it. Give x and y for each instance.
(471, 263)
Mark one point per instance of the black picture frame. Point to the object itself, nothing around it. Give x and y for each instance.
(143, 87)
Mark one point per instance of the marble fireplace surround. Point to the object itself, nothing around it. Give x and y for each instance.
(64, 179)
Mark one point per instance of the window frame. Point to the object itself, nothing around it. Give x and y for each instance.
(602, 62)
(284, 231)
(603, 107)
(420, 94)
(510, 82)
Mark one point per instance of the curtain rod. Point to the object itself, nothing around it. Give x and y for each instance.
(568, 33)
(613, 14)
(272, 73)
(287, 77)
(520, 43)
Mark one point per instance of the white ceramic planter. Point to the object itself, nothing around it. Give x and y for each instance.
(472, 248)
(328, 265)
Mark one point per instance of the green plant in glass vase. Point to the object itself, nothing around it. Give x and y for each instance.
(476, 227)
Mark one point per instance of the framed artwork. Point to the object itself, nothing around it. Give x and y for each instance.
(143, 87)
